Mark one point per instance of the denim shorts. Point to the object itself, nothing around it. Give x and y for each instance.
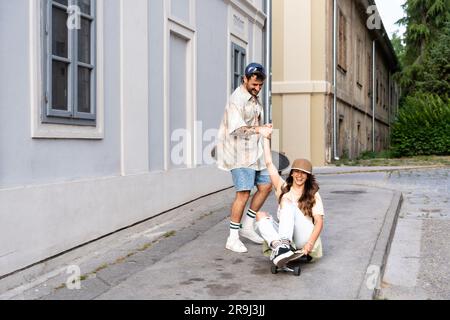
(245, 179)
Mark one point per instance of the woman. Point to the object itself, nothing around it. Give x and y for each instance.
(300, 213)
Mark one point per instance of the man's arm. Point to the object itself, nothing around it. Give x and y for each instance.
(245, 132)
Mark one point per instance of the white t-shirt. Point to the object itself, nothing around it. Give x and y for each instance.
(318, 206)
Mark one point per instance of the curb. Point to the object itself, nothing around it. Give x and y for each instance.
(371, 285)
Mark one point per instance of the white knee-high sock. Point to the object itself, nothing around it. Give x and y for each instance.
(234, 230)
(249, 219)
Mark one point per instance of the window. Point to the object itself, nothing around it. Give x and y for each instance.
(359, 56)
(378, 86)
(342, 56)
(378, 91)
(390, 92)
(369, 75)
(342, 138)
(358, 138)
(238, 63)
(70, 72)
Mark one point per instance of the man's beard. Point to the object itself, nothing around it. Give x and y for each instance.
(253, 92)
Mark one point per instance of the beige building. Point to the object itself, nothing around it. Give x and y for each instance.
(307, 62)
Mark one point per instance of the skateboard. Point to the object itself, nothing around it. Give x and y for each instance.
(280, 161)
(292, 266)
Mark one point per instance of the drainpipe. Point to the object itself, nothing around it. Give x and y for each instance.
(335, 155)
(268, 58)
(374, 92)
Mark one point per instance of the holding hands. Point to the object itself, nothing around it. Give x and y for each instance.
(266, 131)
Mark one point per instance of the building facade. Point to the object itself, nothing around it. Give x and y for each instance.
(108, 111)
(313, 124)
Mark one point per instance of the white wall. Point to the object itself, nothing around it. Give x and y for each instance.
(42, 221)
(56, 194)
(134, 85)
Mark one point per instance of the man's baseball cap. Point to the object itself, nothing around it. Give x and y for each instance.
(255, 68)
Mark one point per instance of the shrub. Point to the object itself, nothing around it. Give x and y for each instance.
(422, 126)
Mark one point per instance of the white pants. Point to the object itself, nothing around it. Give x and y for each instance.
(293, 226)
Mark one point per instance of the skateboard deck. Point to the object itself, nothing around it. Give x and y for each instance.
(292, 266)
(280, 161)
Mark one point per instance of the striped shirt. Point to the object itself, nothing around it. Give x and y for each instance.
(235, 149)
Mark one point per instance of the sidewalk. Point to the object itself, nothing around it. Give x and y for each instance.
(181, 255)
(333, 170)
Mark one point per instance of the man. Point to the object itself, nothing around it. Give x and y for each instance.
(240, 150)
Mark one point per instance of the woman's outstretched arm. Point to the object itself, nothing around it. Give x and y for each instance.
(273, 171)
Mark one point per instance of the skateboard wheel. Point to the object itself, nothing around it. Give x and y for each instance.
(297, 271)
(274, 269)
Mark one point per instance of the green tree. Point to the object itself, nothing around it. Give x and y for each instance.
(399, 47)
(436, 73)
(424, 21)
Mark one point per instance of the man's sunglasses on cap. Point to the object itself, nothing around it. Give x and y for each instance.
(252, 69)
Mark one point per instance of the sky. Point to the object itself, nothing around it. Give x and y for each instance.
(390, 12)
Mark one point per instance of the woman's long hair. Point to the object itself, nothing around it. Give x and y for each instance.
(307, 200)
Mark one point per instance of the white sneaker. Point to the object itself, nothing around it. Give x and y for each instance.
(235, 245)
(251, 235)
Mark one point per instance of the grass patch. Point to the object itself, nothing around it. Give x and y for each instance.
(85, 277)
(121, 260)
(205, 215)
(62, 286)
(145, 247)
(102, 267)
(169, 234)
